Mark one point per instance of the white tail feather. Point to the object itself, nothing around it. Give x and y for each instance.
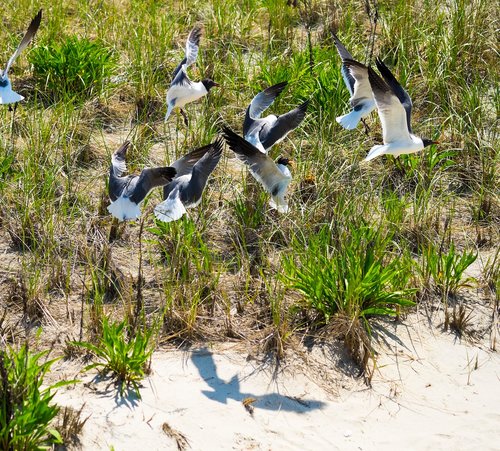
(123, 209)
(350, 121)
(170, 209)
(377, 151)
(169, 110)
(279, 203)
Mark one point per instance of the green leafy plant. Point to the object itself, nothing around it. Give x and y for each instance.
(124, 353)
(76, 69)
(26, 409)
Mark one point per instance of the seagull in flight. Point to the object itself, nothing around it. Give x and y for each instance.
(186, 189)
(361, 100)
(7, 95)
(182, 89)
(127, 192)
(394, 109)
(273, 176)
(263, 133)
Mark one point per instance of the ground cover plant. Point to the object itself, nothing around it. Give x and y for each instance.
(361, 241)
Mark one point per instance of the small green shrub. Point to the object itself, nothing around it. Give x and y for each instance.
(125, 353)
(352, 275)
(26, 409)
(75, 69)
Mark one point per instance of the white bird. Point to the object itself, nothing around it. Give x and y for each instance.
(273, 176)
(361, 100)
(127, 192)
(183, 90)
(7, 95)
(394, 109)
(186, 189)
(263, 133)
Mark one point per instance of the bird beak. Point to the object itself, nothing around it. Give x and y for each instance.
(216, 84)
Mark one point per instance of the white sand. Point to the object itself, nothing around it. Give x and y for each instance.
(427, 394)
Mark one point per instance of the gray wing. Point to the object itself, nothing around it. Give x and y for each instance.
(283, 125)
(151, 178)
(117, 185)
(390, 110)
(30, 33)
(362, 87)
(397, 89)
(201, 171)
(345, 55)
(192, 46)
(185, 164)
(181, 77)
(262, 167)
(118, 164)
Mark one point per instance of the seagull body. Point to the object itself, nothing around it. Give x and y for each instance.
(274, 177)
(394, 109)
(7, 95)
(361, 100)
(182, 90)
(127, 192)
(186, 189)
(263, 133)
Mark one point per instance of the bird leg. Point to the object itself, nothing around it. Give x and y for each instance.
(367, 129)
(185, 116)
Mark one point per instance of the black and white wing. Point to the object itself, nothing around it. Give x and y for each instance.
(118, 164)
(28, 36)
(345, 55)
(397, 89)
(362, 88)
(283, 125)
(185, 164)
(151, 178)
(192, 45)
(390, 110)
(261, 166)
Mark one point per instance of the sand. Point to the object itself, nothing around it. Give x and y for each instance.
(431, 391)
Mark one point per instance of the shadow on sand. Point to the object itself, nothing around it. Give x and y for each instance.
(222, 391)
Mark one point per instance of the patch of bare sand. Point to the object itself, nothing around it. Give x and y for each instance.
(431, 391)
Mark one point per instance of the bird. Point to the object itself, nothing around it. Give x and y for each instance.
(361, 100)
(182, 89)
(263, 133)
(127, 192)
(394, 109)
(186, 189)
(7, 95)
(273, 176)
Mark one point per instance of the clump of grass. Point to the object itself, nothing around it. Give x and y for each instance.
(70, 424)
(74, 69)
(353, 277)
(26, 409)
(124, 353)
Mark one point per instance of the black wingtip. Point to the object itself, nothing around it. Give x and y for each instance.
(35, 23)
(217, 146)
(168, 172)
(375, 81)
(195, 35)
(275, 90)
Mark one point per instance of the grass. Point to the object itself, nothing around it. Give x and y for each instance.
(359, 239)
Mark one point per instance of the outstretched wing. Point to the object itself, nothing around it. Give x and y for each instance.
(118, 163)
(397, 89)
(345, 55)
(30, 33)
(390, 110)
(284, 125)
(192, 46)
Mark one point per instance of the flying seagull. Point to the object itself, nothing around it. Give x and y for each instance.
(182, 90)
(185, 190)
(7, 95)
(263, 133)
(361, 100)
(127, 192)
(273, 176)
(394, 109)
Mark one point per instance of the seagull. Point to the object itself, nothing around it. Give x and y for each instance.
(127, 192)
(7, 95)
(361, 100)
(263, 133)
(273, 176)
(394, 109)
(182, 90)
(185, 190)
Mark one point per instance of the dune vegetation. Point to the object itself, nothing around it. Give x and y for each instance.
(362, 240)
